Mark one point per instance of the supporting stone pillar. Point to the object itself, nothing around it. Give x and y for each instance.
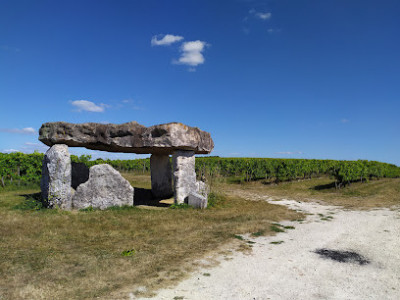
(56, 177)
(161, 176)
(184, 175)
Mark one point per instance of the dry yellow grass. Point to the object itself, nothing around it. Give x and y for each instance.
(51, 254)
(376, 193)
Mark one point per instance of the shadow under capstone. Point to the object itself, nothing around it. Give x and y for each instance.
(342, 256)
(145, 197)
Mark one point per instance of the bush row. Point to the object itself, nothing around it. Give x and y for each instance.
(23, 169)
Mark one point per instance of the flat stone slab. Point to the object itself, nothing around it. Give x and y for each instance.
(128, 137)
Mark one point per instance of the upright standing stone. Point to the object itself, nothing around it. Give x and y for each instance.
(184, 175)
(161, 176)
(106, 187)
(56, 177)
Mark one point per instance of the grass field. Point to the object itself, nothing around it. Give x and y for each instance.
(376, 193)
(52, 254)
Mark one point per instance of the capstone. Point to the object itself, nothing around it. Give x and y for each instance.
(128, 137)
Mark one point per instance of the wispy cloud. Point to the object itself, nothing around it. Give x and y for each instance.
(30, 147)
(289, 152)
(10, 150)
(344, 121)
(129, 103)
(260, 15)
(192, 53)
(9, 48)
(168, 39)
(85, 105)
(234, 153)
(33, 144)
(273, 30)
(27, 130)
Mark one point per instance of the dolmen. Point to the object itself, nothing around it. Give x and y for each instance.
(69, 185)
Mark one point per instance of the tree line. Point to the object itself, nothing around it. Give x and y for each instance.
(25, 169)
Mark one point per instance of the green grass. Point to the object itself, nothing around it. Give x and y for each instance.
(276, 228)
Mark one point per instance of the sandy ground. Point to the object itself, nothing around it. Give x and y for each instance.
(292, 270)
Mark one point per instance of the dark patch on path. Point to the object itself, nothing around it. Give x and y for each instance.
(343, 256)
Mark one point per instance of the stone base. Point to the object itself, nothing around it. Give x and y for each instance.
(197, 200)
(184, 175)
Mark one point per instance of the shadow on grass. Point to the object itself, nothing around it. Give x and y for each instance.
(321, 187)
(31, 202)
(35, 202)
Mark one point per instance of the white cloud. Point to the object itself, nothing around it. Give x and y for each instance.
(260, 15)
(192, 53)
(344, 121)
(33, 144)
(168, 39)
(27, 130)
(87, 106)
(273, 30)
(289, 152)
(8, 48)
(264, 16)
(10, 150)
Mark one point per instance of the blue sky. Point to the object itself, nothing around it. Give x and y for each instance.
(299, 78)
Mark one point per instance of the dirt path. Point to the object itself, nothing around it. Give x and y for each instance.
(290, 268)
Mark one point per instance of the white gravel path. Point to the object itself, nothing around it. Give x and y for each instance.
(291, 270)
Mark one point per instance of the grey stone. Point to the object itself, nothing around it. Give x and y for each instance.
(56, 177)
(202, 188)
(80, 174)
(184, 175)
(128, 137)
(197, 200)
(105, 187)
(161, 176)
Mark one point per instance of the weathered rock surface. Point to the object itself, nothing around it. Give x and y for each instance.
(105, 187)
(202, 188)
(184, 175)
(197, 201)
(80, 174)
(128, 137)
(56, 177)
(161, 176)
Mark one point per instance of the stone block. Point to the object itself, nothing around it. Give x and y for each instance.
(202, 188)
(55, 183)
(197, 200)
(105, 188)
(184, 175)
